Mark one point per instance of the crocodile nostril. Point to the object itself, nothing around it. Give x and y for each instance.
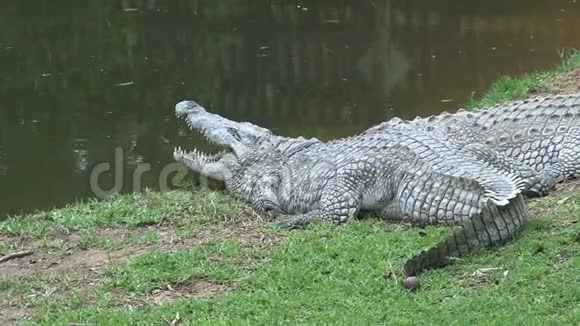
(187, 107)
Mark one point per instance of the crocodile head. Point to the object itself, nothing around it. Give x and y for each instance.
(237, 139)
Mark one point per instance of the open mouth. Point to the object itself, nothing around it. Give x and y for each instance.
(197, 157)
(221, 138)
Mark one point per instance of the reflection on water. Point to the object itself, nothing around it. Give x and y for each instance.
(79, 79)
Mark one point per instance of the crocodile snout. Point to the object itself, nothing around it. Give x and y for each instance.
(188, 107)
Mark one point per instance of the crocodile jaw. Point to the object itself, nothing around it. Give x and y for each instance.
(216, 167)
(237, 136)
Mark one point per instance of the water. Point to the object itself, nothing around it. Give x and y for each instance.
(79, 79)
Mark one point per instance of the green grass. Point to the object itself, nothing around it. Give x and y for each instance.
(510, 88)
(156, 268)
(91, 239)
(129, 211)
(321, 275)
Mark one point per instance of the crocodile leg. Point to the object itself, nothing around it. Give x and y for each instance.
(536, 184)
(569, 155)
(264, 197)
(559, 172)
(340, 201)
(301, 220)
(494, 225)
(567, 165)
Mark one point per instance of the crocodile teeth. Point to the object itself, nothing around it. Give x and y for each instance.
(178, 153)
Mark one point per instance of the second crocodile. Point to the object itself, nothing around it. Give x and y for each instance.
(535, 136)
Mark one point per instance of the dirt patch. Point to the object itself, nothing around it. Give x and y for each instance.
(567, 83)
(568, 186)
(14, 315)
(80, 260)
(566, 191)
(563, 257)
(195, 290)
(72, 257)
(248, 233)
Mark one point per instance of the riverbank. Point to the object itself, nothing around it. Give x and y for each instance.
(193, 256)
(562, 79)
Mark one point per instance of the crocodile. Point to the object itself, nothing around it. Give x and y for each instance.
(538, 136)
(399, 173)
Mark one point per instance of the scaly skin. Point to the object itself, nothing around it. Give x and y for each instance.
(493, 226)
(400, 173)
(542, 133)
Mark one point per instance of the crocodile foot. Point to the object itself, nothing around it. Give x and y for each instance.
(292, 221)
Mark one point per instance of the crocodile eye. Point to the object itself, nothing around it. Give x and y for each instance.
(234, 132)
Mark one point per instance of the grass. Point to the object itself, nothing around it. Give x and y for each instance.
(130, 211)
(510, 88)
(325, 274)
(194, 257)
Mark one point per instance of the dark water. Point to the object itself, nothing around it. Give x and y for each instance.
(81, 78)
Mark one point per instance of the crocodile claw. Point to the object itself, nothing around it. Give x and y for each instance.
(291, 222)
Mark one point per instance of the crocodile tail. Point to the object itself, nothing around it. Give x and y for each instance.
(494, 225)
